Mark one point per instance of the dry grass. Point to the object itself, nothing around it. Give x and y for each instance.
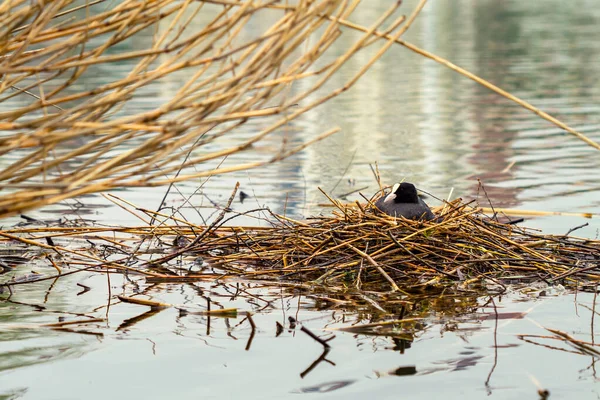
(235, 72)
(355, 252)
(62, 139)
(361, 249)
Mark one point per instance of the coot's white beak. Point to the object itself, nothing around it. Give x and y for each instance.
(392, 195)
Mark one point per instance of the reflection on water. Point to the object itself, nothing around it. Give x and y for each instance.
(418, 121)
(466, 346)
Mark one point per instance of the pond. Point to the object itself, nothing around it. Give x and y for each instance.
(418, 121)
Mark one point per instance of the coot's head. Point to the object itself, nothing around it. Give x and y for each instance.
(403, 193)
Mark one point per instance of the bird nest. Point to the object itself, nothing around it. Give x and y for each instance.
(357, 247)
(354, 250)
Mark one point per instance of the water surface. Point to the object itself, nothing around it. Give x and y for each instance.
(420, 122)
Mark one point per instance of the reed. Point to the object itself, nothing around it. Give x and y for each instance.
(62, 139)
(232, 74)
(355, 252)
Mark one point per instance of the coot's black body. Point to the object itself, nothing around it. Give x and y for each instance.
(403, 201)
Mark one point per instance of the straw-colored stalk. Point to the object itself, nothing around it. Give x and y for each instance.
(355, 249)
(232, 74)
(48, 48)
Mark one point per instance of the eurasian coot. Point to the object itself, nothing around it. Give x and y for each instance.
(403, 201)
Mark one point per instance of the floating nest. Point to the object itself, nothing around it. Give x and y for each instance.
(357, 247)
(354, 250)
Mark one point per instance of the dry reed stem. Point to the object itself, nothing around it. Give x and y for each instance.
(143, 302)
(410, 256)
(230, 76)
(233, 78)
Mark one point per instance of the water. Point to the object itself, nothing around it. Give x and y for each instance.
(419, 121)
(169, 354)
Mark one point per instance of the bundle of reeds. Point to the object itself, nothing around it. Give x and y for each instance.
(360, 248)
(62, 136)
(355, 250)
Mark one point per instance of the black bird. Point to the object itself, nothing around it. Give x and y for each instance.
(403, 201)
